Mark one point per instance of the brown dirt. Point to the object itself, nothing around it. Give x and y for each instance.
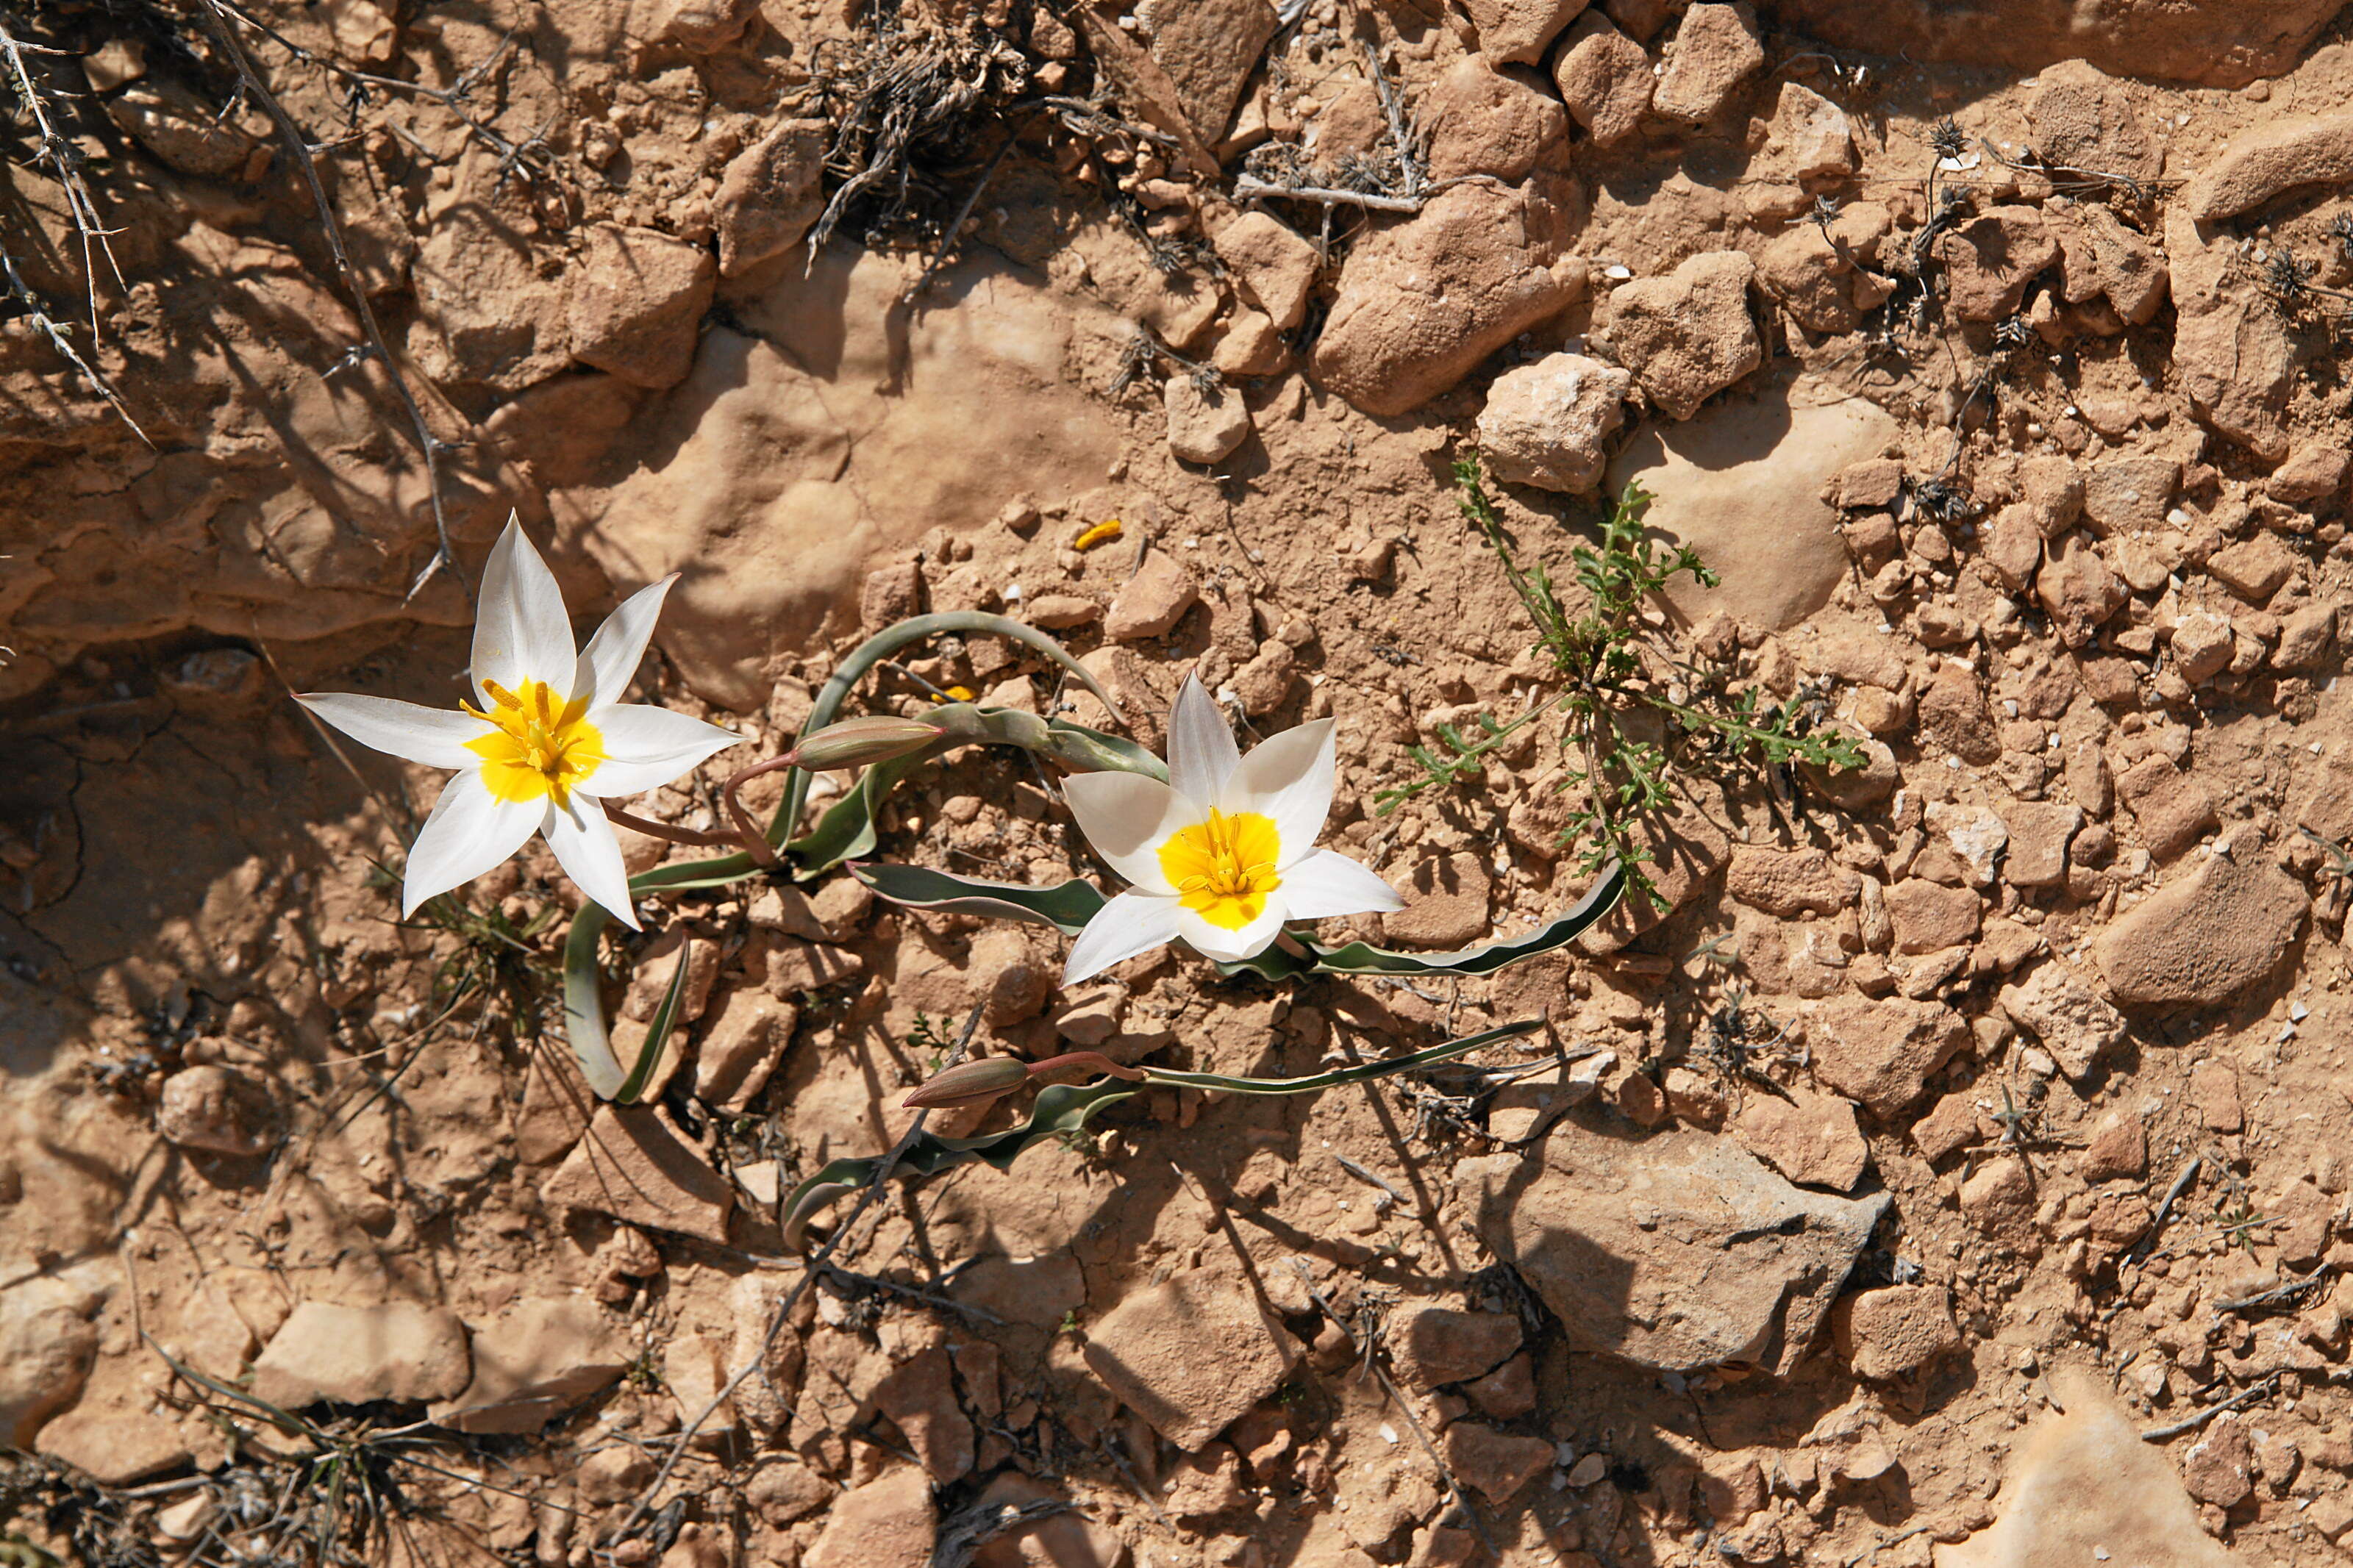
(2067, 939)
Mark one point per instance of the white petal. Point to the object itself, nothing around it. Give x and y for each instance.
(1128, 925)
(1329, 884)
(1201, 750)
(1226, 946)
(582, 838)
(469, 833)
(646, 747)
(1289, 778)
(619, 645)
(433, 736)
(1126, 817)
(521, 630)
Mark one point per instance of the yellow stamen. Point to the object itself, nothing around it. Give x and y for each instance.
(1223, 868)
(1102, 533)
(540, 747)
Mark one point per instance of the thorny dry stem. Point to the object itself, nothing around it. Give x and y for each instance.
(297, 146)
(816, 1265)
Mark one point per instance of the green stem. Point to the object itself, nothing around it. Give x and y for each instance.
(1338, 1075)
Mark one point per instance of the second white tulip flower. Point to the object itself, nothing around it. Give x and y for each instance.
(1224, 853)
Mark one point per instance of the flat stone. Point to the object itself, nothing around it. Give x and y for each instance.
(1492, 1463)
(1480, 120)
(2077, 590)
(2131, 266)
(2219, 1468)
(919, 1395)
(2039, 833)
(1882, 1052)
(1895, 1330)
(2086, 119)
(1953, 714)
(741, 1047)
(1151, 603)
(1433, 1345)
(402, 1351)
(2171, 807)
(634, 1165)
(2074, 1023)
(2122, 494)
(1789, 882)
(2214, 1090)
(1149, 1351)
(1928, 917)
(889, 1522)
(1811, 134)
(2270, 161)
(771, 194)
(2253, 569)
(1209, 48)
(537, 1359)
(1991, 259)
(2209, 939)
(1812, 1139)
(1274, 265)
(1977, 836)
(1676, 1251)
(1445, 904)
(2116, 1151)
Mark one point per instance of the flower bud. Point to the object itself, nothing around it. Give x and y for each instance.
(971, 1083)
(854, 742)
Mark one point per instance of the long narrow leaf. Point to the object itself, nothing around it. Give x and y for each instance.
(584, 1004)
(1361, 958)
(657, 1031)
(1067, 906)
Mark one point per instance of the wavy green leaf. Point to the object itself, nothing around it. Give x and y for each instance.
(1067, 906)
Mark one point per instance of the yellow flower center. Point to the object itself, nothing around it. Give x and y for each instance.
(1223, 868)
(542, 747)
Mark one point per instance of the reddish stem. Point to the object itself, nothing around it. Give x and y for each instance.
(653, 829)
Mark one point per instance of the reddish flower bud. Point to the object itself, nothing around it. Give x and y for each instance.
(971, 1083)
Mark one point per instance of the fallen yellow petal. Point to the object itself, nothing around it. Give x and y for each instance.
(1102, 533)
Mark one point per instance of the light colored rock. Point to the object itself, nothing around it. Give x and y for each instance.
(2132, 267)
(1716, 51)
(47, 1345)
(1421, 303)
(1481, 122)
(2254, 569)
(1514, 32)
(1676, 1251)
(741, 1047)
(1811, 278)
(770, 194)
(889, 1522)
(1976, 836)
(1148, 1352)
(1882, 1052)
(2305, 637)
(1741, 483)
(633, 1164)
(1275, 267)
(1688, 335)
(1789, 882)
(1203, 427)
(2270, 159)
(1604, 77)
(2171, 808)
(1433, 1345)
(2209, 939)
(919, 1395)
(638, 300)
(2232, 353)
(1812, 134)
(1548, 423)
(1492, 1463)
(2202, 643)
(402, 1351)
(2085, 121)
(1929, 917)
(1895, 1330)
(1151, 603)
(2124, 494)
(532, 1361)
(2072, 1020)
(214, 1110)
(2039, 833)
(698, 26)
(1812, 1139)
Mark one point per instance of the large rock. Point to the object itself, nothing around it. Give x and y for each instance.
(1548, 423)
(1151, 1351)
(638, 303)
(1882, 1052)
(1516, 31)
(534, 1361)
(1604, 77)
(889, 1522)
(633, 1164)
(1677, 1251)
(1742, 484)
(1422, 302)
(1275, 267)
(2230, 349)
(1686, 336)
(1716, 51)
(46, 1345)
(770, 194)
(2086, 119)
(2209, 939)
(2271, 161)
(1812, 1139)
(402, 1351)
(1209, 48)
(1991, 259)
(2218, 43)
(1481, 122)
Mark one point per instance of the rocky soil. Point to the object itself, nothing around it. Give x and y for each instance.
(1955, 1169)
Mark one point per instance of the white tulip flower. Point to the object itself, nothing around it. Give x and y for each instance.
(1224, 852)
(548, 743)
